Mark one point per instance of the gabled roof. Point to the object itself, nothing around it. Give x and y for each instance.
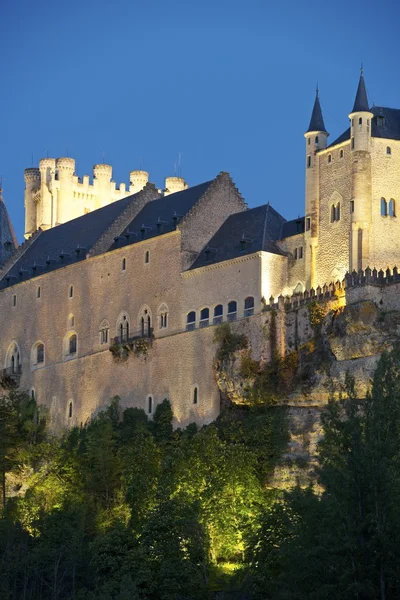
(361, 99)
(161, 216)
(317, 120)
(243, 233)
(8, 241)
(387, 128)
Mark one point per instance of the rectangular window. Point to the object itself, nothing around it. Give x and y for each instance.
(308, 224)
(301, 252)
(308, 162)
(352, 143)
(352, 206)
(104, 336)
(14, 300)
(38, 292)
(295, 254)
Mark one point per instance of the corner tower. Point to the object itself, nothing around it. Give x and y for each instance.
(361, 194)
(316, 139)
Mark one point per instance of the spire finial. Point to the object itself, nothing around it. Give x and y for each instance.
(362, 69)
(317, 89)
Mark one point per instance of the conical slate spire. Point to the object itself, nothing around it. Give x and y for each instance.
(8, 241)
(361, 101)
(317, 120)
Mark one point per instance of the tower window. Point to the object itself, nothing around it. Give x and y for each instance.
(149, 405)
(71, 291)
(195, 395)
(392, 208)
(124, 264)
(309, 141)
(70, 410)
(335, 212)
(308, 162)
(341, 153)
(388, 150)
(329, 158)
(384, 208)
(72, 344)
(38, 292)
(352, 143)
(301, 252)
(14, 300)
(360, 121)
(295, 254)
(352, 122)
(352, 206)
(308, 224)
(316, 139)
(147, 257)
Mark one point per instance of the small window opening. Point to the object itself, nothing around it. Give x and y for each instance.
(352, 122)
(384, 208)
(352, 143)
(392, 208)
(360, 121)
(341, 153)
(309, 141)
(14, 300)
(149, 405)
(38, 292)
(70, 410)
(308, 224)
(337, 212)
(308, 162)
(388, 150)
(71, 291)
(329, 158)
(195, 395)
(40, 354)
(72, 344)
(301, 252)
(147, 257)
(352, 206)
(124, 264)
(104, 335)
(191, 321)
(316, 139)
(295, 254)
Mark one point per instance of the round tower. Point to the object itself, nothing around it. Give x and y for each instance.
(138, 180)
(32, 186)
(46, 209)
(316, 139)
(174, 184)
(65, 170)
(102, 176)
(361, 194)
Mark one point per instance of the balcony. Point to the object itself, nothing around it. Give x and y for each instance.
(10, 376)
(132, 337)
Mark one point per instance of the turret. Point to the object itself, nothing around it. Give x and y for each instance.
(65, 171)
(46, 207)
(138, 180)
(174, 184)
(102, 177)
(316, 139)
(32, 189)
(361, 195)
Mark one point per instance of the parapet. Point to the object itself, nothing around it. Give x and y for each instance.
(102, 172)
(31, 174)
(65, 165)
(47, 163)
(174, 184)
(137, 178)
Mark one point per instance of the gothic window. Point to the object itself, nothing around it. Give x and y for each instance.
(124, 264)
(218, 314)
(13, 359)
(163, 316)
(104, 331)
(392, 208)
(123, 327)
(72, 343)
(39, 354)
(388, 150)
(191, 320)
(204, 317)
(71, 291)
(144, 322)
(249, 306)
(149, 405)
(384, 207)
(195, 395)
(232, 310)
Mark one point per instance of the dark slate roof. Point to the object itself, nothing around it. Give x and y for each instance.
(161, 211)
(387, 128)
(293, 227)
(317, 120)
(81, 232)
(243, 233)
(8, 241)
(361, 100)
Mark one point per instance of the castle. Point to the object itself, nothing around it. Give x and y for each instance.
(148, 272)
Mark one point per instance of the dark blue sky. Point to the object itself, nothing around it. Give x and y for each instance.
(229, 84)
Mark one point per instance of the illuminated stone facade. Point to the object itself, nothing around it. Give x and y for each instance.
(148, 273)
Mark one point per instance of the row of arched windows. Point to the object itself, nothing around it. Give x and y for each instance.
(217, 317)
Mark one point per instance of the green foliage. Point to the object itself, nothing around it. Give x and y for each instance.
(317, 312)
(228, 341)
(276, 380)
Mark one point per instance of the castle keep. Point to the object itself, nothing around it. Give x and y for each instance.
(148, 273)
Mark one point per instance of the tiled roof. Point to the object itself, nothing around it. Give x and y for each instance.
(317, 120)
(243, 233)
(293, 227)
(161, 216)
(388, 127)
(361, 100)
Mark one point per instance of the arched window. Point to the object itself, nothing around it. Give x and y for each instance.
(191, 321)
(316, 139)
(195, 395)
(232, 310)
(360, 120)
(147, 257)
(39, 354)
(163, 316)
(144, 322)
(333, 213)
(392, 208)
(13, 360)
(123, 328)
(249, 306)
(204, 317)
(218, 314)
(123, 267)
(388, 150)
(104, 330)
(337, 212)
(384, 207)
(149, 405)
(72, 345)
